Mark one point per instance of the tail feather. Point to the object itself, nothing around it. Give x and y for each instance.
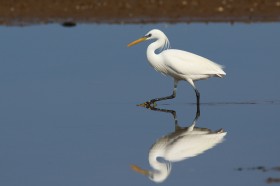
(220, 75)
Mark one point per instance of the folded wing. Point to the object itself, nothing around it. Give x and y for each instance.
(190, 65)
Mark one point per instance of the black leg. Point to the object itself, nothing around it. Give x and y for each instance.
(163, 98)
(197, 101)
(167, 97)
(152, 101)
(173, 112)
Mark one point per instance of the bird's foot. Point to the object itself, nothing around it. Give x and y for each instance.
(148, 104)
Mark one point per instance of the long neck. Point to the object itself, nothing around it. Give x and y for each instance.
(153, 58)
(161, 169)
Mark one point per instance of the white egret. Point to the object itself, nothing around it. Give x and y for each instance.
(179, 145)
(179, 64)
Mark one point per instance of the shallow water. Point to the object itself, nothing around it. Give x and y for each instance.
(69, 95)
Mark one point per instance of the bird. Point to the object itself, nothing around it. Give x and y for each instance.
(178, 64)
(183, 143)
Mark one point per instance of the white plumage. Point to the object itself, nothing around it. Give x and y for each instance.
(179, 64)
(177, 146)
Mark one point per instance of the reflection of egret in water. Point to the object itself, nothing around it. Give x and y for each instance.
(183, 143)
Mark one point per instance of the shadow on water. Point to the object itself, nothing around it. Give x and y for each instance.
(181, 144)
(246, 102)
(271, 102)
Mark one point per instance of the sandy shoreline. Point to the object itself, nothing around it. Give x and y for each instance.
(25, 12)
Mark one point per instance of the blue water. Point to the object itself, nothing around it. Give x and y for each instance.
(68, 113)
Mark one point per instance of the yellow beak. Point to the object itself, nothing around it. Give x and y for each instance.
(139, 170)
(137, 41)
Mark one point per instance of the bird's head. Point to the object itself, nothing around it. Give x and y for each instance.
(154, 175)
(153, 34)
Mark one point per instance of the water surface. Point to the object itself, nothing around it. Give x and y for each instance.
(69, 114)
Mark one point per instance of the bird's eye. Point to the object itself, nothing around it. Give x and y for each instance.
(149, 35)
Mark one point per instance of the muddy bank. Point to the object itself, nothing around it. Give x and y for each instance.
(25, 12)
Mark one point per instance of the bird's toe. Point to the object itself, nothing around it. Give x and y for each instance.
(148, 104)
